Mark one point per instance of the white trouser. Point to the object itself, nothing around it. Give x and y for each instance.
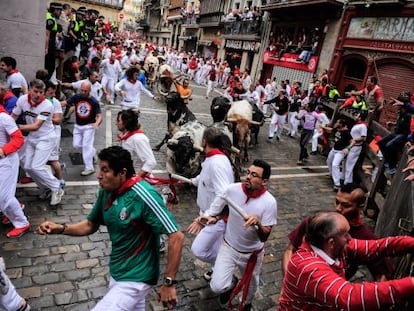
(350, 162)
(316, 134)
(9, 298)
(207, 243)
(37, 153)
(123, 296)
(334, 161)
(293, 123)
(83, 139)
(9, 205)
(227, 260)
(210, 85)
(276, 124)
(109, 85)
(54, 156)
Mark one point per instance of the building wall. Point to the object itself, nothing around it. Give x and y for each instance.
(23, 34)
(331, 36)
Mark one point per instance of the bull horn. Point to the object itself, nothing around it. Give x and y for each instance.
(235, 150)
(255, 123)
(231, 120)
(172, 141)
(198, 148)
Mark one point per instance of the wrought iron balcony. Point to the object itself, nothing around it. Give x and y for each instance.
(242, 27)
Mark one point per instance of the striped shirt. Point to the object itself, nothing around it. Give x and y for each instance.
(310, 283)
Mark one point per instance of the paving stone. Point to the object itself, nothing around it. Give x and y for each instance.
(34, 270)
(89, 284)
(71, 297)
(14, 273)
(57, 288)
(77, 274)
(65, 249)
(46, 278)
(30, 292)
(88, 263)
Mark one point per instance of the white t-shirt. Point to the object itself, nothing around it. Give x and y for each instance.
(133, 93)
(215, 176)
(111, 71)
(241, 238)
(7, 127)
(142, 156)
(358, 131)
(16, 81)
(43, 111)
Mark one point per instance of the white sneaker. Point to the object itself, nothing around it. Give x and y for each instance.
(87, 172)
(57, 197)
(45, 194)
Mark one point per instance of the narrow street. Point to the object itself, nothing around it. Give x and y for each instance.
(71, 273)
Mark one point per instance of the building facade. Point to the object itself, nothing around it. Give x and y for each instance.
(301, 40)
(376, 38)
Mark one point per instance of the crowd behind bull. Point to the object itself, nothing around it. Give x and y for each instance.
(90, 63)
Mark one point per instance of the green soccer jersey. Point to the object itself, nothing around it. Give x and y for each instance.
(135, 220)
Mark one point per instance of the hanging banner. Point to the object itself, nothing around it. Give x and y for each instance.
(290, 61)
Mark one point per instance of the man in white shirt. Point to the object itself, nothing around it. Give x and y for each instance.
(111, 70)
(41, 140)
(131, 89)
(359, 135)
(15, 80)
(96, 90)
(245, 236)
(136, 142)
(320, 124)
(215, 176)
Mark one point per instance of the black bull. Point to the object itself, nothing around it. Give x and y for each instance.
(178, 114)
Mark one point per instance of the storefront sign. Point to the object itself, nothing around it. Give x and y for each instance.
(380, 45)
(243, 45)
(382, 28)
(290, 61)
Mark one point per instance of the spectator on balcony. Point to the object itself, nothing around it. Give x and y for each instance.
(189, 14)
(196, 14)
(229, 18)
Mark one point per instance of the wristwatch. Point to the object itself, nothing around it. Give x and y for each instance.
(169, 281)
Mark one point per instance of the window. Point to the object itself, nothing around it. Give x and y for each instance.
(237, 5)
(355, 69)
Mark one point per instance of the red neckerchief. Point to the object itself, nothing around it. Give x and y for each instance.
(254, 194)
(356, 221)
(2, 109)
(32, 104)
(111, 61)
(132, 81)
(11, 72)
(213, 152)
(129, 183)
(128, 134)
(362, 122)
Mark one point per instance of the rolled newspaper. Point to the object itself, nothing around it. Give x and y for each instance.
(237, 209)
(181, 178)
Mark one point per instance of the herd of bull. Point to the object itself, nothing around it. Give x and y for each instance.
(238, 120)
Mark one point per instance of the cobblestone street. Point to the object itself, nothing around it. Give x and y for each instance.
(71, 273)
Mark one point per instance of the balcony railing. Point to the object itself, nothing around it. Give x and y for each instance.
(118, 4)
(242, 27)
